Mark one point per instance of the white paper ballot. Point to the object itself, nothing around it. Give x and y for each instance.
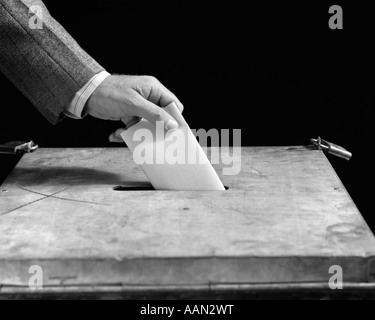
(172, 160)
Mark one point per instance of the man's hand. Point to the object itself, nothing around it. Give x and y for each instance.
(129, 97)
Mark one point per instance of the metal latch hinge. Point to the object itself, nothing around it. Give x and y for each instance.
(331, 148)
(18, 147)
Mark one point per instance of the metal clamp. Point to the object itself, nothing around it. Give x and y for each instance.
(18, 147)
(331, 148)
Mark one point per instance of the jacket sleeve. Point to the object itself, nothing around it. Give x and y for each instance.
(45, 64)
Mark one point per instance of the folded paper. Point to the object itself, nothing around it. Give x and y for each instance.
(172, 160)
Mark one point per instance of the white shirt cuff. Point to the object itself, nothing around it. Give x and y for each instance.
(75, 108)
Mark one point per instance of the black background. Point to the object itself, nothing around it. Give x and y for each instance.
(273, 69)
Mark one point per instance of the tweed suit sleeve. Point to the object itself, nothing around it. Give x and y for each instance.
(46, 65)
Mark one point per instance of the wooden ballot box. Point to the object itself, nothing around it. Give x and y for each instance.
(88, 219)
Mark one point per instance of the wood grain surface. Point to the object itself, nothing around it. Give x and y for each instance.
(286, 218)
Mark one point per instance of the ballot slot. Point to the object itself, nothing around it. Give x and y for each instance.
(133, 188)
(142, 188)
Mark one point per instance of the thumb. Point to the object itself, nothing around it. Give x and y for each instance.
(154, 113)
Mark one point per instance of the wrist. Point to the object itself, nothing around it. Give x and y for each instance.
(79, 104)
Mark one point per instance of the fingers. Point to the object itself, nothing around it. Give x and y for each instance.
(128, 120)
(154, 113)
(116, 136)
(168, 97)
(114, 139)
(159, 94)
